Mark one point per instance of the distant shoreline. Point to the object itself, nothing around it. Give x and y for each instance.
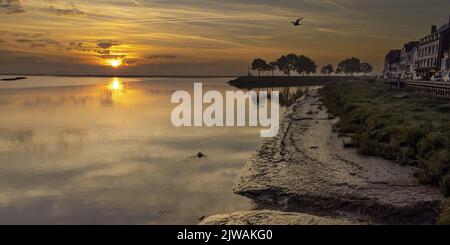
(120, 76)
(284, 81)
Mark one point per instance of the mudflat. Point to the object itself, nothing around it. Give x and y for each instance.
(307, 169)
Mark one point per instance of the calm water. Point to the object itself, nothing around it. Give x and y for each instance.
(103, 151)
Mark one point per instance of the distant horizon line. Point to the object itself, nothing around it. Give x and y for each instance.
(138, 76)
(119, 75)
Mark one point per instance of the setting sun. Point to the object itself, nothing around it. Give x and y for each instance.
(115, 63)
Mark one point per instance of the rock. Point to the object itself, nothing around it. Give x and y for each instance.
(13, 79)
(348, 142)
(400, 96)
(200, 155)
(267, 217)
(286, 174)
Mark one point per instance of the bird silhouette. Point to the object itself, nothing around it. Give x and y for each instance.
(297, 22)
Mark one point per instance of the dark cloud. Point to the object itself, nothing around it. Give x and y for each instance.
(38, 45)
(79, 45)
(103, 52)
(49, 41)
(106, 45)
(23, 40)
(11, 7)
(73, 11)
(146, 59)
(111, 56)
(134, 61)
(161, 57)
(30, 36)
(38, 35)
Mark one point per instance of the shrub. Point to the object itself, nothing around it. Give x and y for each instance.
(430, 143)
(434, 167)
(443, 108)
(444, 183)
(413, 130)
(444, 217)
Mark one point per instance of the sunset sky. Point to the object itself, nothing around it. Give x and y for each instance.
(202, 37)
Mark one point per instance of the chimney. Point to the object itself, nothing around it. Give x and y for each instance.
(433, 29)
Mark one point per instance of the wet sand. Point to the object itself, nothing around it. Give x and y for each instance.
(264, 217)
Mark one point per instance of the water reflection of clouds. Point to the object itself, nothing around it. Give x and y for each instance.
(94, 155)
(84, 95)
(70, 159)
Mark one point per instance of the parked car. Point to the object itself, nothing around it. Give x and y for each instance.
(436, 78)
(416, 78)
(447, 78)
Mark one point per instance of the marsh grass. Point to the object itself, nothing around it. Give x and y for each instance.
(409, 130)
(444, 218)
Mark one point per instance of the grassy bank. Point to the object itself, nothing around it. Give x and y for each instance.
(403, 126)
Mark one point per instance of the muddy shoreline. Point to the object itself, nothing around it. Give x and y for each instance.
(307, 170)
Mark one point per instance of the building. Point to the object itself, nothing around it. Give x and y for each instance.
(408, 57)
(431, 51)
(392, 67)
(428, 54)
(428, 57)
(445, 61)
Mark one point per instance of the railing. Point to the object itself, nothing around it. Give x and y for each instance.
(439, 89)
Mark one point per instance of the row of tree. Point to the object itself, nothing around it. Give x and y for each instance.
(286, 64)
(306, 66)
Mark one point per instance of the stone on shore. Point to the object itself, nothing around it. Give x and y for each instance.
(267, 217)
(348, 142)
(288, 174)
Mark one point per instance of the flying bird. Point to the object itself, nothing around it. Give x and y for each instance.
(297, 22)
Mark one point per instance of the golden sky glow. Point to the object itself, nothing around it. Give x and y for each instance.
(201, 36)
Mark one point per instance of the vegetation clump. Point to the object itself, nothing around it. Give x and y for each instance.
(444, 218)
(411, 130)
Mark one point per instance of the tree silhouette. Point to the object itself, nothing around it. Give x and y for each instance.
(282, 64)
(259, 65)
(287, 63)
(350, 66)
(366, 68)
(292, 60)
(305, 65)
(272, 66)
(328, 69)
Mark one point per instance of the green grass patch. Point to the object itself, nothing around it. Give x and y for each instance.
(406, 127)
(444, 217)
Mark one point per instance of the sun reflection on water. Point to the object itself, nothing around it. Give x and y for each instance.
(115, 84)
